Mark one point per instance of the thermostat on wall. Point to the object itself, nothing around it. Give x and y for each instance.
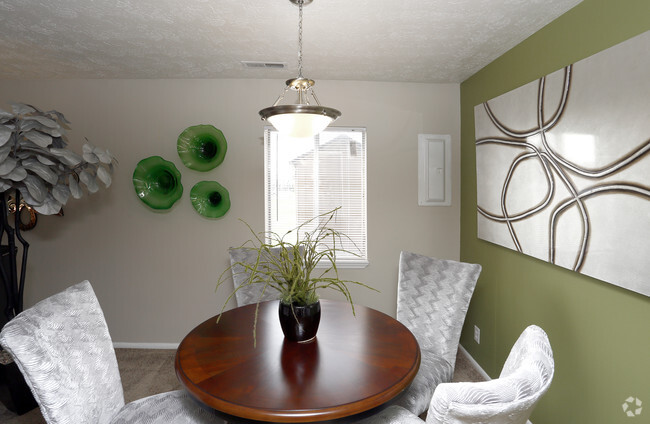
(434, 169)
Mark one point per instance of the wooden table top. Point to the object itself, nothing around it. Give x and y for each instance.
(354, 364)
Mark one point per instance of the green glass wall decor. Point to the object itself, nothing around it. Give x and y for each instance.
(202, 147)
(157, 182)
(210, 199)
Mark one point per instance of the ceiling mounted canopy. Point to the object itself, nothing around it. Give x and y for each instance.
(307, 117)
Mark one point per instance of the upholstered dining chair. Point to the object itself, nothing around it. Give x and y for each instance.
(64, 350)
(509, 399)
(252, 293)
(432, 300)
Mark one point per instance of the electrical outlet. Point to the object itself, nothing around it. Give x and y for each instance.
(477, 334)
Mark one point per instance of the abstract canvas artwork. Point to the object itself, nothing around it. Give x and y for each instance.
(563, 167)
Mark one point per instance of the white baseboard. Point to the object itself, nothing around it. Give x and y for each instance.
(477, 366)
(474, 363)
(127, 345)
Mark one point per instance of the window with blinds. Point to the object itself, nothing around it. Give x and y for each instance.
(305, 178)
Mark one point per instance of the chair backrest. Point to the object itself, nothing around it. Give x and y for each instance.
(432, 300)
(252, 293)
(63, 349)
(509, 399)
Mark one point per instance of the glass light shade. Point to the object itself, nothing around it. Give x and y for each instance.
(299, 121)
(300, 125)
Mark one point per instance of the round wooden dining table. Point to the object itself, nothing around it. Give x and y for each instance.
(355, 363)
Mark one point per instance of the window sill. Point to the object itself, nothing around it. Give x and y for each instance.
(350, 264)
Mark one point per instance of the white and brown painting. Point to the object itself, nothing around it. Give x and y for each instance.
(563, 166)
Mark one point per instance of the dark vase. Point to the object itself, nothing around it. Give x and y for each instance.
(299, 323)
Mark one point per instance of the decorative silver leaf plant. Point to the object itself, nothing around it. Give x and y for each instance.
(34, 160)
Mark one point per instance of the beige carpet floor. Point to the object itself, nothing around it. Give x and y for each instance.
(146, 372)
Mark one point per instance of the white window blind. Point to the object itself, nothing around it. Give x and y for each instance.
(308, 177)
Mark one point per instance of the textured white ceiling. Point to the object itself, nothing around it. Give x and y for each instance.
(373, 40)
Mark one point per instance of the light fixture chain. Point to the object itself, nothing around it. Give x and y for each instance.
(300, 2)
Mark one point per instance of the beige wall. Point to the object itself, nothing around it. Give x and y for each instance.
(155, 273)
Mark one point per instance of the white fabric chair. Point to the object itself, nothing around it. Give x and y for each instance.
(64, 350)
(433, 297)
(252, 293)
(509, 399)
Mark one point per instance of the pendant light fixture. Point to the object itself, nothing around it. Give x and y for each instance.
(304, 118)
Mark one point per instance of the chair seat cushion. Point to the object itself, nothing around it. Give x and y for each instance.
(175, 407)
(433, 371)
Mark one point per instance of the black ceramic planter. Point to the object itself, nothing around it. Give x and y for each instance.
(299, 323)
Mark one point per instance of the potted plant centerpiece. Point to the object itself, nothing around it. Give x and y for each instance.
(297, 266)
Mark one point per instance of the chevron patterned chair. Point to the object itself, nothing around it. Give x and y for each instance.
(509, 399)
(432, 301)
(64, 350)
(252, 293)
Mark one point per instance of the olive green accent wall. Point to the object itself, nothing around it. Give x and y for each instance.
(600, 333)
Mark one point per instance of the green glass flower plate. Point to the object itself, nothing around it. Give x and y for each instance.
(202, 147)
(210, 199)
(157, 182)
